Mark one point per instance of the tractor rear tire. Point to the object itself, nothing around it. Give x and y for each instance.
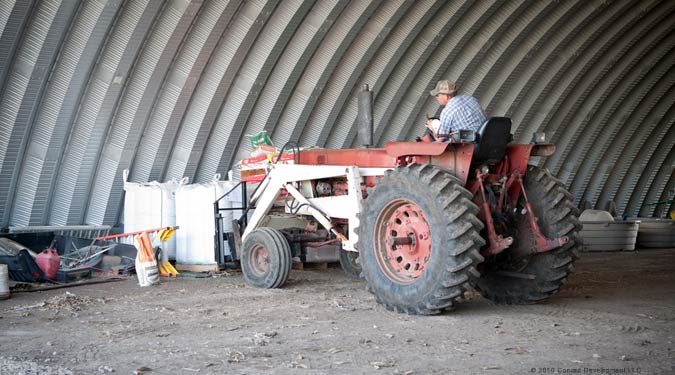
(419, 240)
(266, 258)
(540, 276)
(351, 265)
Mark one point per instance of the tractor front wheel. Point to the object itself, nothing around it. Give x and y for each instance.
(266, 258)
(350, 263)
(419, 240)
(530, 279)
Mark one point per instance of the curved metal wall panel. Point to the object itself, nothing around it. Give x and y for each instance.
(183, 78)
(169, 89)
(5, 12)
(319, 69)
(22, 91)
(131, 113)
(204, 103)
(202, 125)
(663, 157)
(422, 69)
(246, 87)
(285, 74)
(46, 142)
(12, 19)
(586, 110)
(386, 70)
(344, 82)
(101, 95)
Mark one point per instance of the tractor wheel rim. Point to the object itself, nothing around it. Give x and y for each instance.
(402, 241)
(259, 261)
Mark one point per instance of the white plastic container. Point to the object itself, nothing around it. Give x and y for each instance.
(4, 282)
(195, 217)
(602, 233)
(656, 233)
(149, 206)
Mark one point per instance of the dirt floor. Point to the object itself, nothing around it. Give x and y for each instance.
(617, 315)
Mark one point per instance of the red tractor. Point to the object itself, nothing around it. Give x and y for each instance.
(421, 222)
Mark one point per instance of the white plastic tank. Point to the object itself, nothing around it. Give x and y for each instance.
(195, 217)
(4, 281)
(656, 233)
(601, 232)
(149, 206)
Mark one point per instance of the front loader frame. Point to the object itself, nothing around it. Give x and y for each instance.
(295, 181)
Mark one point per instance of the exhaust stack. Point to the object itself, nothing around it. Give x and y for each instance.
(364, 117)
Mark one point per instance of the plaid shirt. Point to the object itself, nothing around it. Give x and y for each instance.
(461, 113)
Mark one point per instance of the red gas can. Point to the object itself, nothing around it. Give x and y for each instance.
(49, 262)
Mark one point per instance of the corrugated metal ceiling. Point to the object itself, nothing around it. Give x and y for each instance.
(170, 88)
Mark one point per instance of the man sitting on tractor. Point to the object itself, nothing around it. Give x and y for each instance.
(461, 112)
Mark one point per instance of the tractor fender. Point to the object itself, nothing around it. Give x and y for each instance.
(519, 154)
(398, 149)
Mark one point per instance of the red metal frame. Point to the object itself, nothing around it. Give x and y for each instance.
(496, 242)
(363, 157)
(527, 224)
(456, 159)
(114, 236)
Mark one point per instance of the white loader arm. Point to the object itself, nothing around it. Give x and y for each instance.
(283, 176)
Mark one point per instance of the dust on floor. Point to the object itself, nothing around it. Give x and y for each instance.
(616, 315)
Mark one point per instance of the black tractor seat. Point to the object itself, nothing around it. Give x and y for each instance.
(491, 141)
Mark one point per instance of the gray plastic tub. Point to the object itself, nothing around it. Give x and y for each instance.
(656, 233)
(601, 232)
